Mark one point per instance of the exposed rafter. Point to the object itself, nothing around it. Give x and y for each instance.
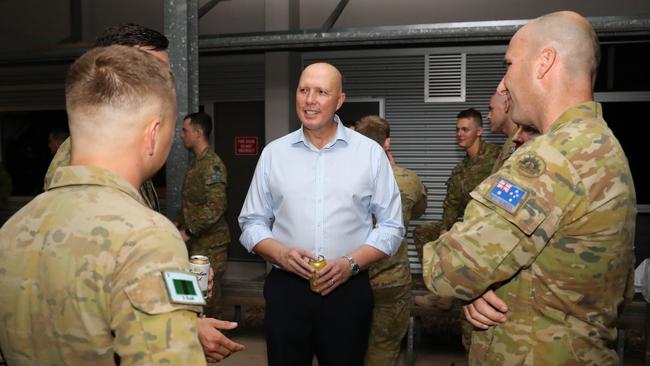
(331, 20)
(208, 6)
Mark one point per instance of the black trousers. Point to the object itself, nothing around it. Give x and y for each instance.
(300, 323)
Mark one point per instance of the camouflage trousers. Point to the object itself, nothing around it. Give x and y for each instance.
(390, 319)
(425, 233)
(218, 260)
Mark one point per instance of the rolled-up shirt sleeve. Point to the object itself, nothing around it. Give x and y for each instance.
(256, 216)
(386, 206)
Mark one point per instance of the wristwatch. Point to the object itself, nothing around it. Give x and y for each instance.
(354, 267)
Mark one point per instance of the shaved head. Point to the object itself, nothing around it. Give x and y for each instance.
(318, 96)
(326, 71)
(551, 66)
(572, 37)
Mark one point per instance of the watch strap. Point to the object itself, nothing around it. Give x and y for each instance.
(354, 267)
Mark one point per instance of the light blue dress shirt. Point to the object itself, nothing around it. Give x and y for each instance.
(323, 200)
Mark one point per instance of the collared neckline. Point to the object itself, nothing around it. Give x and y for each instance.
(203, 153)
(342, 134)
(74, 175)
(480, 152)
(589, 109)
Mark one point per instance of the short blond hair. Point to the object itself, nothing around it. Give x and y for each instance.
(119, 77)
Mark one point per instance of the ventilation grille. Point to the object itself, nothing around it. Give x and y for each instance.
(444, 78)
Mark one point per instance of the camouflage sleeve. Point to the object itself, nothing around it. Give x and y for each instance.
(451, 205)
(215, 205)
(61, 158)
(496, 240)
(148, 328)
(421, 203)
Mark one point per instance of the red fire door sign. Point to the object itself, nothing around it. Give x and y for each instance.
(246, 145)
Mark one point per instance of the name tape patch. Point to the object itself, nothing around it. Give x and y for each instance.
(507, 195)
(183, 288)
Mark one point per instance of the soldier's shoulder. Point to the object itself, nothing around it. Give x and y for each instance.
(492, 149)
(212, 159)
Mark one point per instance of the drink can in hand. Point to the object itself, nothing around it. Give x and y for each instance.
(200, 266)
(317, 264)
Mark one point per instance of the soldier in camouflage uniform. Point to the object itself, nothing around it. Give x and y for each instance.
(390, 278)
(201, 217)
(500, 122)
(126, 35)
(476, 166)
(216, 346)
(81, 263)
(551, 233)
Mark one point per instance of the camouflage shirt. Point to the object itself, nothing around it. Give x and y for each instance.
(81, 278)
(560, 253)
(203, 202)
(62, 158)
(464, 178)
(394, 270)
(506, 150)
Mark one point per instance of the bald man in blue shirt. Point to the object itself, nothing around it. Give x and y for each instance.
(314, 193)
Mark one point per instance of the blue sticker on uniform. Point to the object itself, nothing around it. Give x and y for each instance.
(216, 178)
(507, 195)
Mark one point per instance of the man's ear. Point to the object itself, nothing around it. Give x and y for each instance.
(340, 101)
(151, 135)
(387, 144)
(479, 131)
(545, 61)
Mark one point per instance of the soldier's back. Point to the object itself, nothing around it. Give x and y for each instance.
(69, 258)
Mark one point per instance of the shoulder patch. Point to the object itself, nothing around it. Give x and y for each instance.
(530, 165)
(215, 178)
(506, 195)
(183, 288)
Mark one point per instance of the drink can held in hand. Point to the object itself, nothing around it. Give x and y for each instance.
(317, 264)
(200, 266)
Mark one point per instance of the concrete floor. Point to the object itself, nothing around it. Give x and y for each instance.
(255, 353)
(438, 345)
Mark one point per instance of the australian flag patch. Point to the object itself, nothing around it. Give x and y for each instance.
(214, 178)
(507, 195)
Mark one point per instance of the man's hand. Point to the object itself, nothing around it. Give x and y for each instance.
(486, 311)
(336, 272)
(216, 346)
(296, 260)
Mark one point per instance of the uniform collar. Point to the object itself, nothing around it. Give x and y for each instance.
(84, 175)
(481, 151)
(583, 110)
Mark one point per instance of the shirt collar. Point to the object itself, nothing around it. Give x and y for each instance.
(342, 134)
(75, 175)
(481, 150)
(583, 110)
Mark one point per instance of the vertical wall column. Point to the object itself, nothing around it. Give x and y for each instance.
(181, 28)
(282, 71)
